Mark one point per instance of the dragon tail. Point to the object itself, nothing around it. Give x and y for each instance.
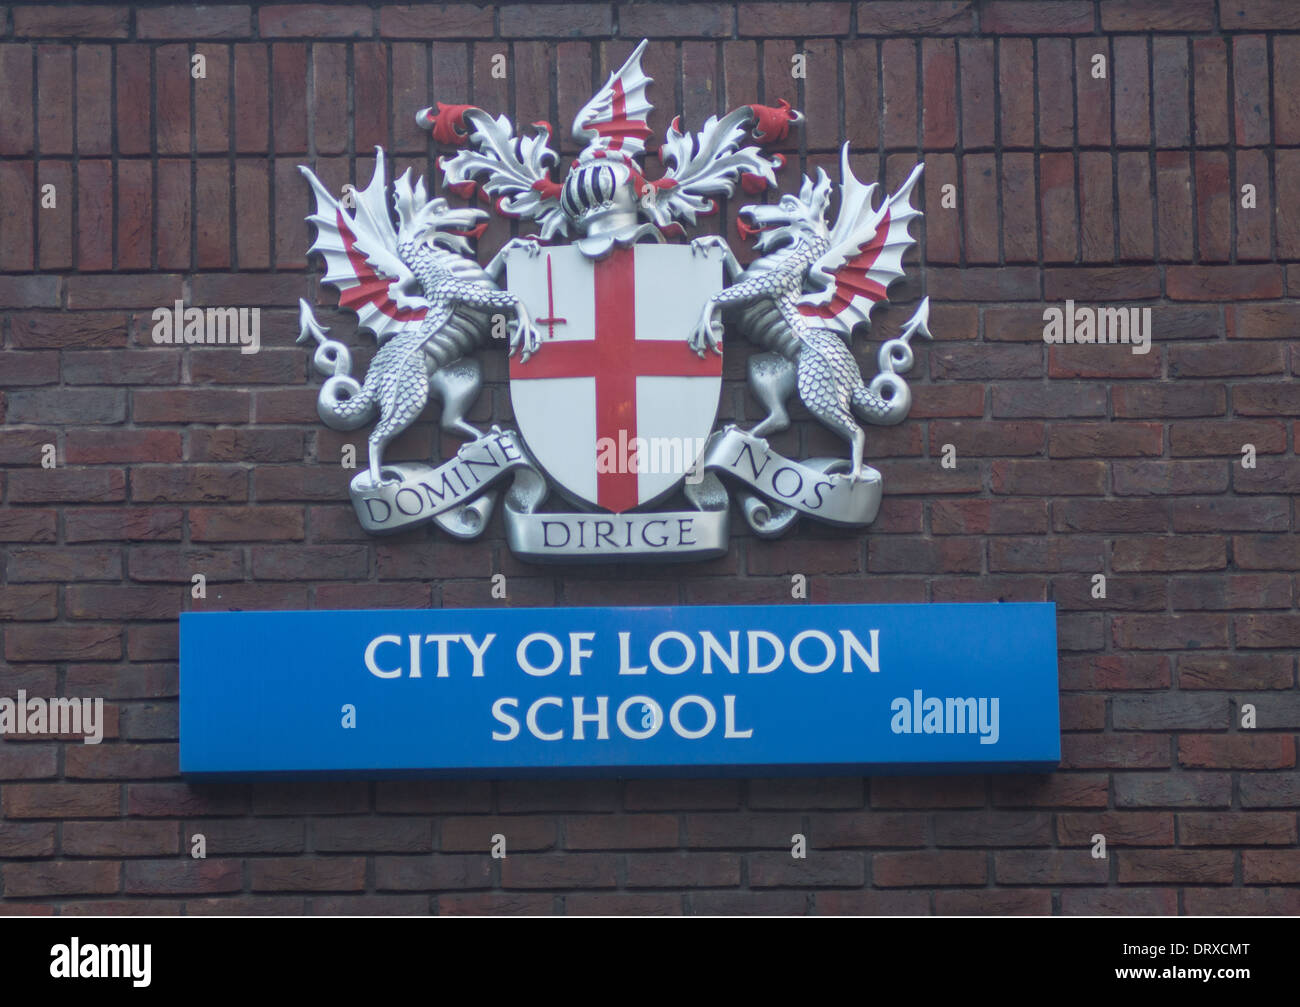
(343, 403)
(888, 398)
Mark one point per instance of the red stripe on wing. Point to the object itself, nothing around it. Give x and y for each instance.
(618, 127)
(370, 287)
(852, 280)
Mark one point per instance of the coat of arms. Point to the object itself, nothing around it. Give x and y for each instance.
(614, 328)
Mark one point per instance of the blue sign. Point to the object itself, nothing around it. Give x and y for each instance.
(718, 690)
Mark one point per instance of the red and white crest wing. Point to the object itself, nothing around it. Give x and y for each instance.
(865, 257)
(614, 382)
(361, 260)
(615, 120)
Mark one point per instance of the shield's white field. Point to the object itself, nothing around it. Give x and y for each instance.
(558, 414)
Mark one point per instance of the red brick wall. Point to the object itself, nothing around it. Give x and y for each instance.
(1071, 460)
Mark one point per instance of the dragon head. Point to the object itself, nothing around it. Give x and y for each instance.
(440, 224)
(435, 221)
(791, 218)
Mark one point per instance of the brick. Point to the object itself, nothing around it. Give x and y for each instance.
(1114, 751)
(1037, 400)
(1136, 233)
(986, 903)
(1262, 591)
(26, 839)
(1286, 106)
(1037, 18)
(513, 904)
(992, 828)
(183, 876)
(475, 834)
(17, 188)
(939, 83)
(298, 874)
(898, 85)
(929, 868)
(929, 17)
(64, 564)
(1159, 402)
(1049, 867)
(1170, 71)
(28, 525)
(61, 877)
(371, 905)
(1132, 91)
(1236, 829)
(1270, 790)
(1219, 438)
(985, 517)
(1196, 283)
(563, 20)
(1250, 85)
(1064, 478)
(1241, 902)
(1125, 902)
(1057, 191)
(187, 22)
(1100, 283)
(193, 483)
(1267, 630)
(818, 870)
(1096, 206)
(58, 643)
(120, 839)
(1169, 553)
(566, 871)
(618, 832)
(1152, 15)
(93, 447)
(686, 870)
(30, 291)
(1145, 478)
(1175, 866)
(1016, 108)
(1172, 632)
(313, 21)
(1081, 790)
(623, 904)
(1121, 828)
(28, 761)
(54, 80)
(1020, 215)
(1243, 670)
(1236, 751)
(16, 133)
(460, 20)
(1105, 440)
(1271, 14)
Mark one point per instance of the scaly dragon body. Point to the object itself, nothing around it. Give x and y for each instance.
(425, 297)
(802, 297)
(764, 304)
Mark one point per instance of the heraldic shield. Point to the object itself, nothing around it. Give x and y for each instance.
(615, 406)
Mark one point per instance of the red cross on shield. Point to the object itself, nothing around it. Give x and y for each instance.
(614, 405)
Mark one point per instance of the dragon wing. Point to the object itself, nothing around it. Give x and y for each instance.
(361, 258)
(865, 254)
(614, 123)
